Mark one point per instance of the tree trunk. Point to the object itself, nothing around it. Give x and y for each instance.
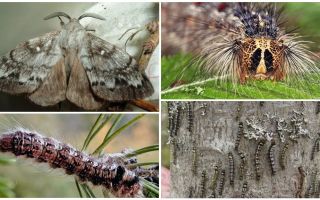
(203, 139)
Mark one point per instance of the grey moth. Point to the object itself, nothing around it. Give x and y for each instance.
(72, 64)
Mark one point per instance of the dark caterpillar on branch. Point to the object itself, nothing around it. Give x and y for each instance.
(231, 168)
(108, 173)
(271, 157)
(257, 160)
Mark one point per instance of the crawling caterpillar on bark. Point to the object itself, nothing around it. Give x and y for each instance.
(243, 165)
(272, 157)
(257, 160)
(231, 168)
(107, 171)
(194, 160)
(202, 184)
(315, 148)
(190, 116)
(239, 136)
(301, 182)
(283, 155)
(215, 178)
(222, 181)
(244, 189)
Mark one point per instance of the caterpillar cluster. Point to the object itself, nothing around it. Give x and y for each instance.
(257, 159)
(272, 157)
(283, 155)
(108, 173)
(222, 181)
(202, 184)
(239, 136)
(231, 168)
(190, 116)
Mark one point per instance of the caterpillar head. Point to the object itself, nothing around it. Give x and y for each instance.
(261, 58)
(254, 46)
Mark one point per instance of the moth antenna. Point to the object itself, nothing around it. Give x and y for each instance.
(57, 14)
(130, 37)
(91, 15)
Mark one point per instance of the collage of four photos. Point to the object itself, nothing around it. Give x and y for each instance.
(159, 100)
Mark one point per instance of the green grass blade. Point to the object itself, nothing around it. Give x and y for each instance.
(78, 188)
(92, 131)
(7, 161)
(143, 150)
(142, 164)
(115, 133)
(151, 189)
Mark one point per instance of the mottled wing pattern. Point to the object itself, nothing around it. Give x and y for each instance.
(79, 91)
(113, 74)
(33, 67)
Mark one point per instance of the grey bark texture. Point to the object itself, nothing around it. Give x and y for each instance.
(207, 147)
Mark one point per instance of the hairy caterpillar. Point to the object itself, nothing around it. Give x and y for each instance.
(243, 165)
(315, 148)
(215, 178)
(239, 136)
(106, 172)
(245, 41)
(301, 182)
(231, 168)
(257, 159)
(177, 119)
(222, 181)
(244, 189)
(261, 103)
(170, 118)
(272, 157)
(190, 116)
(173, 150)
(283, 155)
(194, 160)
(202, 184)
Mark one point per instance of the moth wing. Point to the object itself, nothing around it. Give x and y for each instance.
(79, 90)
(113, 74)
(35, 66)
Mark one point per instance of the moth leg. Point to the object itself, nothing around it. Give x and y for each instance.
(149, 45)
(147, 49)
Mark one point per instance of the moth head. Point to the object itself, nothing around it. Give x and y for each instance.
(62, 14)
(261, 58)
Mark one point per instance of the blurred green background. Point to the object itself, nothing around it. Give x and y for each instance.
(177, 70)
(26, 178)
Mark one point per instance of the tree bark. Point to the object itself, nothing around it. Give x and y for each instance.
(208, 147)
